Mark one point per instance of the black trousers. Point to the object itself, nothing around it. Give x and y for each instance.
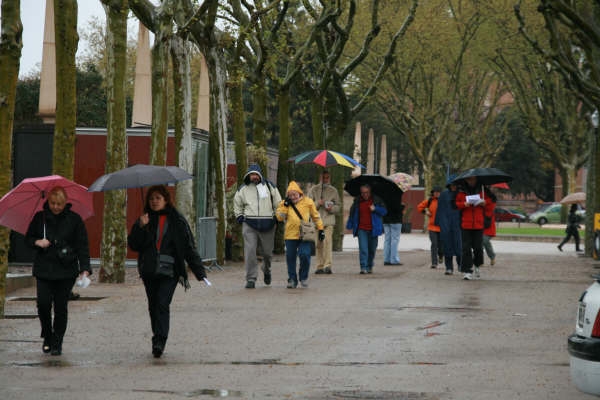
(472, 249)
(53, 293)
(159, 292)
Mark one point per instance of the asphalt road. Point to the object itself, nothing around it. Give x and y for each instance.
(404, 332)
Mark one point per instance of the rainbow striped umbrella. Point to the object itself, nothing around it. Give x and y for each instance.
(326, 159)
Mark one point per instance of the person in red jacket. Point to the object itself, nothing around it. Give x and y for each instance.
(471, 201)
(429, 207)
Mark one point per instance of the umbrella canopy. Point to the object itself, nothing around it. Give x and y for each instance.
(138, 176)
(573, 198)
(383, 187)
(18, 206)
(501, 185)
(486, 176)
(325, 158)
(403, 180)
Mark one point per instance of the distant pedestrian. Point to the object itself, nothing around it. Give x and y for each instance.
(254, 206)
(294, 209)
(164, 242)
(471, 203)
(392, 228)
(572, 228)
(448, 219)
(489, 225)
(62, 254)
(327, 200)
(365, 222)
(429, 207)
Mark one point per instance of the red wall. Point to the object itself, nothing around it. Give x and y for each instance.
(90, 155)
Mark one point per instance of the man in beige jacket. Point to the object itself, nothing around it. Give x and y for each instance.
(327, 200)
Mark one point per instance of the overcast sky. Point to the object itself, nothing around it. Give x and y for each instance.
(32, 16)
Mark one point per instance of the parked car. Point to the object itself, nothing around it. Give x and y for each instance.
(506, 215)
(584, 344)
(550, 213)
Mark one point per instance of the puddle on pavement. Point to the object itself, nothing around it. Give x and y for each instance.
(374, 395)
(434, 308)
(196, 393)
(44, 364)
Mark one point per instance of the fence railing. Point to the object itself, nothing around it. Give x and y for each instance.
(206, 239)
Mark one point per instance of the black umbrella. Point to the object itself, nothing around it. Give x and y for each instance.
(383, 187)
(486, 176)
(138, 176)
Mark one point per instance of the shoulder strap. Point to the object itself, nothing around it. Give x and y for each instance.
(297, 212)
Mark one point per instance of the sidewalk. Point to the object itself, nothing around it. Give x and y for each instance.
(406, 332)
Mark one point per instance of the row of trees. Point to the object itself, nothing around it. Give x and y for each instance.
(452, 80)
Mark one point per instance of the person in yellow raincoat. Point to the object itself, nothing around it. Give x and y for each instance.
(296, 203)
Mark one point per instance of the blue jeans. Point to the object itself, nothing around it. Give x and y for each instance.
(390, 244)
(297, 248)
(367, 244)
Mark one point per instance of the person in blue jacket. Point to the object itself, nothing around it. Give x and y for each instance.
(448, 219)
(366, 222)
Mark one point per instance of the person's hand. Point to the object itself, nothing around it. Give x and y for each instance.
(321, 235)
(240, 219)
(427, 212)
(43, 243)
(84, 273)
(144, 219)
(372, 208)
(287, 201)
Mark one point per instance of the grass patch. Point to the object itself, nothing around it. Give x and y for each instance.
(534, 231)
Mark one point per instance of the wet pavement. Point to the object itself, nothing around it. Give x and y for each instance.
(403, 332)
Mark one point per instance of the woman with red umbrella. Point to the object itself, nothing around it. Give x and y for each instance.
(59, 236)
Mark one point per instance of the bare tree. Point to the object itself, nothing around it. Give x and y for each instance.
(114, 232)
(65, 27)
(11, 43)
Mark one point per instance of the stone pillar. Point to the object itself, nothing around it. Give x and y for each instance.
(47, 102)
(394, 162)
(371, 152)
(142, 87)
(383, 156)
(203, 118)
(356, 154)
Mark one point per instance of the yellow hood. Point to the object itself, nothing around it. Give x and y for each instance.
(295, 187)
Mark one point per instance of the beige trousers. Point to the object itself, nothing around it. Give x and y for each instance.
(324, 249)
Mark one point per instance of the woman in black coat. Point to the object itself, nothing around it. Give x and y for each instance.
(164, 242)
(572, 228)
(60, 239)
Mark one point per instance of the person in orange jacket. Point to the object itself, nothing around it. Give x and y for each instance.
(471, 201)
(429, 207)
(489, 225)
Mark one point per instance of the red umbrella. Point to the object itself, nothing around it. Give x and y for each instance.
(18, 206)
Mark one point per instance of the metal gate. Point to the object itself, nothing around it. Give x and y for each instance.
(206, 238)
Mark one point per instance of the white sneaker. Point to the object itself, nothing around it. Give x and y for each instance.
(304, 283)
(467, 277)
(476, 273)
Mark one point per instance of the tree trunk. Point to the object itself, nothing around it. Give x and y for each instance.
(114, 232)
(283, 100)
(259, 119)
(241, 155)
(182, 84)
(65, 25)
(160, 68)
(218, 137)
(11, 44)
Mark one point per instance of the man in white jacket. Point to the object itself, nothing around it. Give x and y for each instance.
(254, 206)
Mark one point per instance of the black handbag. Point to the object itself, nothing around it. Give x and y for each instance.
(165, 266)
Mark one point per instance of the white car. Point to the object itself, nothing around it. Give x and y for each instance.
(584, 344)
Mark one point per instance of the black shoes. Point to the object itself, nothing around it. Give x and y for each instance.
(327, 270)
(158, 346)
(320, 271)
(267, 278)
(46, 346)
(250, 284)
(559, 247)
(56, 347)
